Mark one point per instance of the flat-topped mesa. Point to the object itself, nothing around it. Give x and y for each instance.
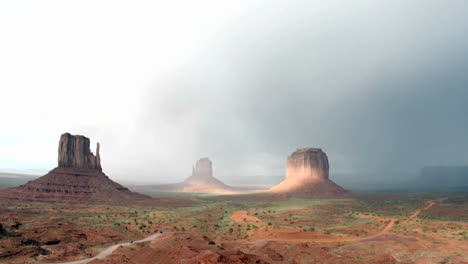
(202, 169)
(307, 175)
(74, 152)
(307, 164)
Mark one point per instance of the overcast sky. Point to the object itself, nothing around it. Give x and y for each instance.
(380, 86)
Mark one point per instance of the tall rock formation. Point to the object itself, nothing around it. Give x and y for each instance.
(202, 179)
(203, 169)
(74, 152)
(307, 174)
(78, 178)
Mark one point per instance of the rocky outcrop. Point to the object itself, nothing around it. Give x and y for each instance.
(202, 179)
(74, 152)
(78, 178)
(307, 164)
(307, 173)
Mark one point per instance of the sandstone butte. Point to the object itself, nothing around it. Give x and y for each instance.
(202, 179)
(77, 178)
(307, 174)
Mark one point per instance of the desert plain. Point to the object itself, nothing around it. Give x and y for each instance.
(201, 228)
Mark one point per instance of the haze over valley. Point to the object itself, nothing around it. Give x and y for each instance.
(239, 132)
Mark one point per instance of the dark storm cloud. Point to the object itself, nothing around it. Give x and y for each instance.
(380, 87)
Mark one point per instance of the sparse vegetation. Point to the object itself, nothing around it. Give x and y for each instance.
(311, 218)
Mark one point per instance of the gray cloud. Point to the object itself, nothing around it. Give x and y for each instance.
(379, 86)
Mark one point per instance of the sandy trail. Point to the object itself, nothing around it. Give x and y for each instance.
(390, 225)
(417, 212)
(385, 230)
(107, 251)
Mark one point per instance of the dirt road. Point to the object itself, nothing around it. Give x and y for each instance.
(107, 251)
(417, 212)
(300, 236)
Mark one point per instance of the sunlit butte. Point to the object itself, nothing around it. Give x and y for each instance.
(240, 132)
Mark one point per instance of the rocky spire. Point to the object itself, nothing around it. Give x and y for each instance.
(74, 152)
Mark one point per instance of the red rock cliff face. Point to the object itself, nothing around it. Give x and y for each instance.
(307, 174)
(78, 178)
(307, 164)
(74, 152)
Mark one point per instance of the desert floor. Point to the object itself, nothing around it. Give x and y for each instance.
(360, 228)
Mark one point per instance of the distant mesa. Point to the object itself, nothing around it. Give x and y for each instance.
(202, 179)
(77, 178)
(307, 175)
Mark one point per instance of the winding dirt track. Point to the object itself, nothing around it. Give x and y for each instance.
(107, 251)
(417, 212)
(385, 230)
(390, 225)
(239, 217)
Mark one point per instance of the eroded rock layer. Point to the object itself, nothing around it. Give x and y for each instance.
(74, 152)
(71, 184)
(307, 174)
(77, 178)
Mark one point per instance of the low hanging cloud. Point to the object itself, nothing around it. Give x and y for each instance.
(380, 86)
(380, 89)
